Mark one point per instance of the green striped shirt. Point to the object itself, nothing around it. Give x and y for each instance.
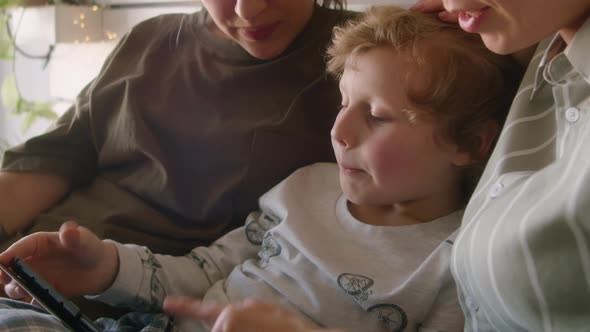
(522, 259)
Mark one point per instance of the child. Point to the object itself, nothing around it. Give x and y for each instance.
(363, 244)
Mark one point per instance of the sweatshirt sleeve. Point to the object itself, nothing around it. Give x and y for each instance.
(145, 279)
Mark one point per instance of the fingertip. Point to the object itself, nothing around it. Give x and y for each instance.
(418, 6)
(70, 224)
(448, 17)
(169, 303)
(176, 304)
(14, 291)
(69, 234)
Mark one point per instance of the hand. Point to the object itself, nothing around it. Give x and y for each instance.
(429, 6)
(247, 316)
(74, 261)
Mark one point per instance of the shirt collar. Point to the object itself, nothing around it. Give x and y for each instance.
(577, 51)
(556, 45)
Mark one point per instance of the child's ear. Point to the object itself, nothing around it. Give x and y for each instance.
(485, 140)
(462, 158)
(487, 136)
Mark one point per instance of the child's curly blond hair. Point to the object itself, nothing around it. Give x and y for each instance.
(467, 86)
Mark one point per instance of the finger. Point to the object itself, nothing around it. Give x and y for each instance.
(79, 241)
(428, 6)
(14, 291)
(23, 248)
(188, 307)
(69, 235)
(4, 278)
(86, 241)
(448, 17)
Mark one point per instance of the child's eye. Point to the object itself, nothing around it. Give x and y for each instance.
(341, 107)
(377, 119)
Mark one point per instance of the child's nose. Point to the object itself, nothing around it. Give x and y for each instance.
(343, 131)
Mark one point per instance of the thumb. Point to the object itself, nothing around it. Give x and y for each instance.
(69, 235)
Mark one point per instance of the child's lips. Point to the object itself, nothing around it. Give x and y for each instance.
(472, 19)
(350, 170)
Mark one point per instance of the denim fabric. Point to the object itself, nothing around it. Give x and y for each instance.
(16, 316)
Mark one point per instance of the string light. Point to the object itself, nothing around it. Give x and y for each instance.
(86, 21)
(110, 35)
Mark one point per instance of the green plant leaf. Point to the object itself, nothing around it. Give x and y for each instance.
(44, 110)
(9, 93)
(32, 111)
(10, 3)
(27, 121)
(6, 46)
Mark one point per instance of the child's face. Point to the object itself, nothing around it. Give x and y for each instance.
(263, 28)
(507, 26)
(385, 159)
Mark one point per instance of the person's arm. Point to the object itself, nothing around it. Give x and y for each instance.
(24, 195)
(36, 174)
(145, 279)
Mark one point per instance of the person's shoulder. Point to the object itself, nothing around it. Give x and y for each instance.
(160, 36)
(314, 178)
(164, 25)
(307, 188)
(315, 173)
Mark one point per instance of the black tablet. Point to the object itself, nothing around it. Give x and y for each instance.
(48, 297)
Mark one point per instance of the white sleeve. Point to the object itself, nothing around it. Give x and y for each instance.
(145, 279)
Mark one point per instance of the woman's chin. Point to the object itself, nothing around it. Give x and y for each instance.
(502, 45)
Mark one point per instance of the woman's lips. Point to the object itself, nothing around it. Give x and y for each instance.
(471, 20)
(260, 32)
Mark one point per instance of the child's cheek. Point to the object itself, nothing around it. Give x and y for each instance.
(393, 160)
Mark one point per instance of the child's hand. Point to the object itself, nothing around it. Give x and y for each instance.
(74, 261)
(429, 6)
(246, 316)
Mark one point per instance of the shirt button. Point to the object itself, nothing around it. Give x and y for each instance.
(572, 114)
(471, 304)
(496, 189)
